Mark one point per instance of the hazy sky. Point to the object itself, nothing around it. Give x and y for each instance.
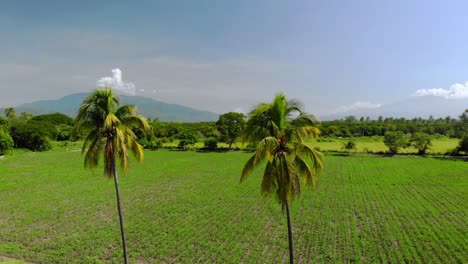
(229, 55)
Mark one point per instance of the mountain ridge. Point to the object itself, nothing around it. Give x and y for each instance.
(147, 107)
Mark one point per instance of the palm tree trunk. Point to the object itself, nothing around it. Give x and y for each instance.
(119, 208)
(290, 238)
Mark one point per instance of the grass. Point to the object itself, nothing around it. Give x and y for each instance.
(188, 207)
(375, 145)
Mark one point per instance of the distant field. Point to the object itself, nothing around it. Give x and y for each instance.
(375, 144)
(363, 144)
(188, 207)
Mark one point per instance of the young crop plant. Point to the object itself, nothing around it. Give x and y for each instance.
(280, 130)
(110, 127)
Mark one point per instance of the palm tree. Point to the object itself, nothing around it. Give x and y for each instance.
(9, 112)
(110, 131)
(280, 131)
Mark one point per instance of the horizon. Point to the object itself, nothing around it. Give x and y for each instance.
(220, 57)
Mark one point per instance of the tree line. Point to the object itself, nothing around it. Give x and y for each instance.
(37, 132)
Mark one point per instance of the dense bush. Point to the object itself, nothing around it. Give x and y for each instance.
(211, 143)
(33, 135)
(64, 132)
(394, 141)
(6, 142)
(463, 145)
(56, 119)
(350, 145)
(421, 141)
(188, 137)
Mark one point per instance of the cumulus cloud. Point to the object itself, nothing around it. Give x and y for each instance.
(456, 91)
(116, 83)
(358, 105)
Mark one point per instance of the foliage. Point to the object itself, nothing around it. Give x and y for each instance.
(350, 145)
(281, 129)
(56, 119)
(211, 143)
(33, 135)
(463, 145)
(111, 133)
(188, 137)
(421, 141)
(111, 130)
(230, 127)
(6, 142)
(10, 113)
(394, 141)
(24, 117)
(4, 123)
(64, 132)
(152, 143)
(280, 138)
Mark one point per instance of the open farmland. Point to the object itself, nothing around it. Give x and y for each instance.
(188, 207)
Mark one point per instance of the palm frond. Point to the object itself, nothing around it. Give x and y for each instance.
(91, 159)
(308, 175)
(315, 156)
(249, 167)
(269, 180)
(136, 122)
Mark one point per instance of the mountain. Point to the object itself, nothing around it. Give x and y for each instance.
(147, 107)
(412, 107)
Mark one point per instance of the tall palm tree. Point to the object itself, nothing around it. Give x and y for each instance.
(280, 130)
(110, 132)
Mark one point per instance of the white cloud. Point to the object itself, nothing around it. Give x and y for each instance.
(116, 82)
(358, 105)
(456, 91)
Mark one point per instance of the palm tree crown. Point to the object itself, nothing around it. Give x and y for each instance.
(281, 130)
(110, 127)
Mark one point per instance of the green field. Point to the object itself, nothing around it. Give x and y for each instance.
(375, 145)
(363, 145)
(188, 207)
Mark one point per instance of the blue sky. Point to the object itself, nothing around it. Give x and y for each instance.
(229, 55)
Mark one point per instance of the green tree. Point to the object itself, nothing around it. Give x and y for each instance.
(25, 116)
(350, 145)
(9, 113)
(281, 143)
(463, 145)
(33, 135)
(110, 127)
(188, 137)
(421, 141)
(230, 127)
(6, 142)
(394, 141)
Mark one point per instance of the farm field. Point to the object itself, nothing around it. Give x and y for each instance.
(188, 207)
(363, 144)
(375, 144)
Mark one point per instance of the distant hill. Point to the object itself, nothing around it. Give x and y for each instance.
(147, 107)
(410, 108)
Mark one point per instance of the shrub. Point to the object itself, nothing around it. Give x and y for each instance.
(463, 145)
(211, 143)
(33, 135)
(155, 144)
(187, 138)
(6, 142)
(350, 145)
